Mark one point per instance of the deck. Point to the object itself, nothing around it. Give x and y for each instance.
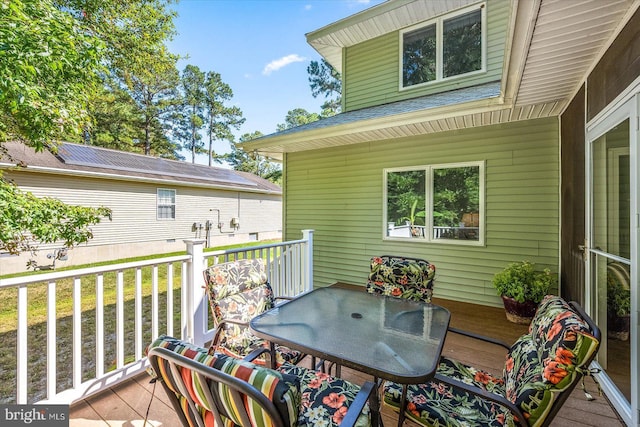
(126, 404)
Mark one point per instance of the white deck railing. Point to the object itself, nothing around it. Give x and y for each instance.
(112, 312)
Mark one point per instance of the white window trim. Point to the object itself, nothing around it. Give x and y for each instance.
(175, 195)
(429, 204)
(439, 38)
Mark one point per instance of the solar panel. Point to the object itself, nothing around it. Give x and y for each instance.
(87, 155)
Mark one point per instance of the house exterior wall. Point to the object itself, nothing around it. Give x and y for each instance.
(371, 71)
(338, 192)
(134, 229)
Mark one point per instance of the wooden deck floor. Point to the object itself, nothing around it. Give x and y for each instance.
(127, 403)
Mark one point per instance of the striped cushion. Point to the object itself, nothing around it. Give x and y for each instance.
(281, 389)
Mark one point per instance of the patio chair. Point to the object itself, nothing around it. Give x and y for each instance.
(238, 291)
(402, 277)
(214, 389)
(541, 370)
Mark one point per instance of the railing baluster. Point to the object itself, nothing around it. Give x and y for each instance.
(138, 314)
(119, 319)
(99, 325)
(284, 268)
(169, 300)
(154, 302)
(77, 331)
(21, 338)
(52, 355)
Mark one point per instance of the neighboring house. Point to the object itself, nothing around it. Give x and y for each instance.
(475, 134)
(156, 203)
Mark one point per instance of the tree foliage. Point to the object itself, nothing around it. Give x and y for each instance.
(325, 80)
(49, 65)
(27, 221)
(253, 163)
(220, 118)
(297, 117)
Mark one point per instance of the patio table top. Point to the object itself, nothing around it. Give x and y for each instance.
(391, 338)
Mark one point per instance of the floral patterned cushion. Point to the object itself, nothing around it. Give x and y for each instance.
(538, 367)
(401, 277)
(547, 361)
(435, 403)
(238, 291)
(325, 399)
(281, 389)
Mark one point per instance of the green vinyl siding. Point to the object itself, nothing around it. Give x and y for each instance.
(338, 193)
(371, 71)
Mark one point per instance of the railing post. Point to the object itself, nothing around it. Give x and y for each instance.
(308, 236)
(196, 314)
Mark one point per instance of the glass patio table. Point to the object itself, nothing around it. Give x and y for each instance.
(390, 338)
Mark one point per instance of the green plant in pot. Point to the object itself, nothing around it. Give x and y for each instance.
(522, 287)
(618, 302)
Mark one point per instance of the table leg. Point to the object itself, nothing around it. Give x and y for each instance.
(403, 405)
(374, 406)
(272, 355)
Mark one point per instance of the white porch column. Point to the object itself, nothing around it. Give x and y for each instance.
(196, 304)
(308, 236)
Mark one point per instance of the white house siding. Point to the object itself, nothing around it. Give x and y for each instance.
(134, 229)
(338, 193)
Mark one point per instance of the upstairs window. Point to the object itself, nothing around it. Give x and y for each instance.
(450, 46)
(166, 204)
(437, 203)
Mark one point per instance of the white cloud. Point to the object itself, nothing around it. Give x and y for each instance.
(276, 64)
(307, 7)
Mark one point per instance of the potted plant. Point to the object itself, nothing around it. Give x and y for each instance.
(618, 305)
(522, 288)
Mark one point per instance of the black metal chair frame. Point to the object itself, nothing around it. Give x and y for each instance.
(239, 390)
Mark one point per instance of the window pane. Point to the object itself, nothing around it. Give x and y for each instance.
(166, 212)
(456, 203)
(419, 56)
(462, 44)
(166, 196)
(406, 204)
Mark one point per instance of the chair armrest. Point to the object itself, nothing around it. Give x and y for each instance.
(363, 396)
(496, 398)
(255, 353)
(479, 337)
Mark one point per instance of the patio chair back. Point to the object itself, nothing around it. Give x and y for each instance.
(402, 277)
(238, 291)
(218, 390)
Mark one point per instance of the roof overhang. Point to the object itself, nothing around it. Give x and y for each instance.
(552, 46)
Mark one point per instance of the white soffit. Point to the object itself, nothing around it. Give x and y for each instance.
(568, 37)
(374, 22)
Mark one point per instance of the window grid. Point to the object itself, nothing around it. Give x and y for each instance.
(166, 204)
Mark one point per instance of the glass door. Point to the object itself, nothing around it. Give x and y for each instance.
(612, 252)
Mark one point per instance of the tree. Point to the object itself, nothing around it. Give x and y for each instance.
(220, 118)
(325, 80)
(297, 117)
(190, 118)
(26, 221)
(153, 85)
(48, 67)
(253, 163)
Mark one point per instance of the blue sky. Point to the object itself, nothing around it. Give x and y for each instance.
(260, 50)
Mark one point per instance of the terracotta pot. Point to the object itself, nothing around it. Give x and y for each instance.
(519, 312)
